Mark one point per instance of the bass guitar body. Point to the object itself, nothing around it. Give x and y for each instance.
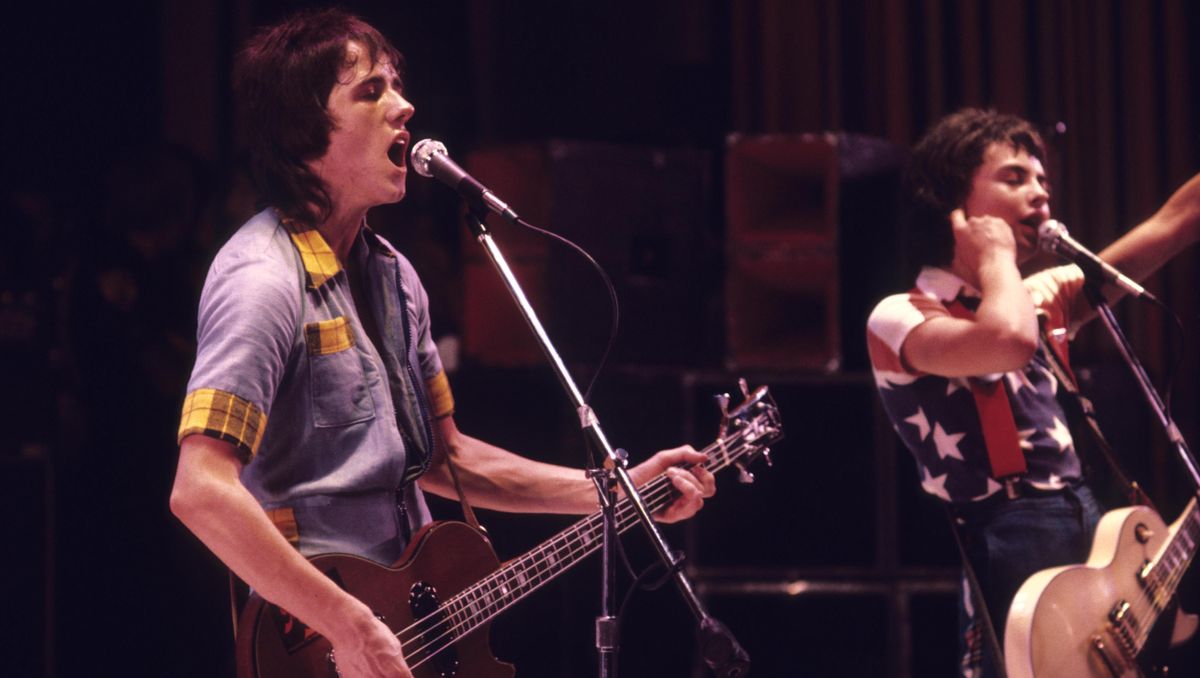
(273, 644)
(449, 585)
(1100, 618)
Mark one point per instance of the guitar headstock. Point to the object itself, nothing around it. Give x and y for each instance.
(754, 422)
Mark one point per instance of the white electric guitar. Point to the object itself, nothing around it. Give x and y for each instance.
(1101, 618)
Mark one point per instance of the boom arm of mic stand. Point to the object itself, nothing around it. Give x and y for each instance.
(1096, 299)
(731, 659)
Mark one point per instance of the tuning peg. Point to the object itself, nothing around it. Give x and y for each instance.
(766, 454)
(744, 477)
(723, 402)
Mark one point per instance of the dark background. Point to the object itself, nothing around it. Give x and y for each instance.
(122, 174)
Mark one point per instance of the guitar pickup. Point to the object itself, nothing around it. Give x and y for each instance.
(1117, 614)
(1144, 573)
(1123, 627)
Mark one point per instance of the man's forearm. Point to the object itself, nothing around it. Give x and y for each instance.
(210, 500)
(497, 479)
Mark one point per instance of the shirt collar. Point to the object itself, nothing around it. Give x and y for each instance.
(943, 285)
(320, 263)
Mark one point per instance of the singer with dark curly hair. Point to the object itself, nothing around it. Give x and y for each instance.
(962, 360)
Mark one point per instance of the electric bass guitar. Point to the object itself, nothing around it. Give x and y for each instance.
(1114, 615)
(441, 596)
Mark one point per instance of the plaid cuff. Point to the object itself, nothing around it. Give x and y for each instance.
(223, 416)
(440, 396)
(328, 336)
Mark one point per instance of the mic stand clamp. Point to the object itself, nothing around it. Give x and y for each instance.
(730, 660)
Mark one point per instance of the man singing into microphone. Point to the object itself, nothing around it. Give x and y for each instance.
(318, 411)
(959, 365)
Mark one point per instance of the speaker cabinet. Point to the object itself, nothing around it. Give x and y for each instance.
(645, 215)
(816, 505)
(494, 331)
(811, 226)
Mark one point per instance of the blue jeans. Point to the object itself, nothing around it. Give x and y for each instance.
(1008, 540)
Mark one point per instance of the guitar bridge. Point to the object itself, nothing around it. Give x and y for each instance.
(1100, 649)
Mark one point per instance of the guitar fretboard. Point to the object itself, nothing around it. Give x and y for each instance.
(1162, 578)
(468, 609)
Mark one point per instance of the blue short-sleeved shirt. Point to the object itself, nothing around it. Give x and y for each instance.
(333, 429)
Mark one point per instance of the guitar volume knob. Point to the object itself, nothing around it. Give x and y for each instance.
(1143, 533)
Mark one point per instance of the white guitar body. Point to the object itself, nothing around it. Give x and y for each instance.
(1095, 619)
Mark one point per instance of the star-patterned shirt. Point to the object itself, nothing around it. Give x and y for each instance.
(936, 416)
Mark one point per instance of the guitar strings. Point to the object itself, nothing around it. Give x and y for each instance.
(1156, 587)
(567, 546)
(572, 536)
(656, 485)
(1164, 587)
(571, 545)
(575, 548)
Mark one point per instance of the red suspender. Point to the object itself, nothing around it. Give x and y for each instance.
(999, 429)
(995, 417)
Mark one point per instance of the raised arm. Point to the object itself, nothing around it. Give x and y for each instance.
(1152, 243)
(1003, 334)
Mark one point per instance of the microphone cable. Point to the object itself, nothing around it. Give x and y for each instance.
(614, 302)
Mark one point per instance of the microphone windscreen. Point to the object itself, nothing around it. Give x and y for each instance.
(422, 154)
(1050, 232)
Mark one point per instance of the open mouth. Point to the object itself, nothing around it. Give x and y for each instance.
(1033, 221)
(397, 153)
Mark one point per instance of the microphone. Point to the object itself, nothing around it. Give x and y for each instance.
(1053, 238)
(430, 159)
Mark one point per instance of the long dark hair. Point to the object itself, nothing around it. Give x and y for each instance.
(282, 79)
(939, 173)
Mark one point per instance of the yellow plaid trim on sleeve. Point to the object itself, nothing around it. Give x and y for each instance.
(328, 336)
(224, 416)
(440, 396)
(320, 263)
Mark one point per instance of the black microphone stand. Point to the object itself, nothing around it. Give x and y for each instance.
(718, 647)
(1096, 299)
